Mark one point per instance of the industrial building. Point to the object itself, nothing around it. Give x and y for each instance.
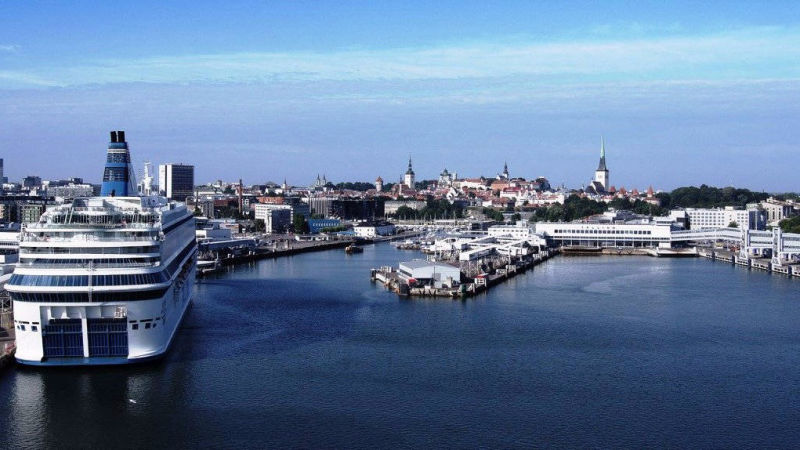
(436, 274)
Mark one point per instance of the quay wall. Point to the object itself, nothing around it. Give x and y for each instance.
(750, 263)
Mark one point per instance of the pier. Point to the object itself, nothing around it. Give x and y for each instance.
(499, 271)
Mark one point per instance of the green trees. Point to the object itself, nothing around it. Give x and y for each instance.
(648, 209)
(493, 214)
(620, 204)
(577, 207)
(355, 186)
(299, 224)
(433, 209)
(573, 208)
(423, 184)
(733, 224)
(790, 225)
(405, 212)
(712, 197)
(334, 229)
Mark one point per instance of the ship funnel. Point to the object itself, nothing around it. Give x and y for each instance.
(118, 176)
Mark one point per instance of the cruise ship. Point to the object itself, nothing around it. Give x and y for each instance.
(104, 280)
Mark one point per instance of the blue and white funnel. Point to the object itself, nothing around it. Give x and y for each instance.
(118, 177)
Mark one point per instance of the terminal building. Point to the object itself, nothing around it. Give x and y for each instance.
(607, 234)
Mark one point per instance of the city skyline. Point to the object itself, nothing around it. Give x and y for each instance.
(279, 91)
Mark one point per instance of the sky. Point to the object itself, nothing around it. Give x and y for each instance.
(684, 93)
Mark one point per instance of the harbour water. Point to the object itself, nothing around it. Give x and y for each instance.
(581, 351)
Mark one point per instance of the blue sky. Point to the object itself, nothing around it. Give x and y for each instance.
(683, 92)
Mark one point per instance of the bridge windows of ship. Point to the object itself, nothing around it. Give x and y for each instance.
(83, 297)
(83, 280)
(178, 223)
(90, 250)
(98, 263)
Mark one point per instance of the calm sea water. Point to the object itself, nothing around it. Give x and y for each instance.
(306, 352)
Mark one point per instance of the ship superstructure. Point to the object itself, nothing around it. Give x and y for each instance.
(103, 280)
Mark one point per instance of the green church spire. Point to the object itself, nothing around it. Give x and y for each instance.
(602, 165)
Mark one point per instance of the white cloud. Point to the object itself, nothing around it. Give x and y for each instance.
(740, 54)
(9, 48)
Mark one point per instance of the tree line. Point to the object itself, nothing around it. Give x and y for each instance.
(709, 197)
(433, 209)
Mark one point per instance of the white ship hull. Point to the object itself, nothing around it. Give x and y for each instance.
(151, 325)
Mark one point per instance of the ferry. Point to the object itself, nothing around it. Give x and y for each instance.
(104, 280)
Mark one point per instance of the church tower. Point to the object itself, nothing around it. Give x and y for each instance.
(408, 180)
(601, 174)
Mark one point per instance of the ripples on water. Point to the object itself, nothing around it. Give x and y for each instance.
(305, 351)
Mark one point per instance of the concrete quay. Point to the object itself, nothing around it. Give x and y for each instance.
(765, 264)
(289, 247)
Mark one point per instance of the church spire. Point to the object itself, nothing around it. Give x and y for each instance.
(602, 148)
(602, 165)
(410, 171)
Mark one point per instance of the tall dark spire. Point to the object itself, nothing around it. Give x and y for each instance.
(602, 165)
(410, 171)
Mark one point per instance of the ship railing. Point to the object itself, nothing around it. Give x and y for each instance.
(94, 265)
(105, 226)
(85, 238)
